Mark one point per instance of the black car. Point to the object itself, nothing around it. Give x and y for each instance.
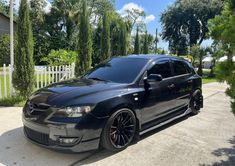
(112, 104)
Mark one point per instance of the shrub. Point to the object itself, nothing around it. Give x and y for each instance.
(60, 57)
(225, 72)
(12, 101)
(5, 49)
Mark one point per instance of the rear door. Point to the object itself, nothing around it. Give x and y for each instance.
(183, 82)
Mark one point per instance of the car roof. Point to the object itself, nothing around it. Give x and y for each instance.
(153, 56)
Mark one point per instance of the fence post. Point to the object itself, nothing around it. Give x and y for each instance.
(60, 73)
(0, 88)
(53, 74)
(70, 71)
(5, 80)
(10, 79)
(37, 78)
(45, 76)
(73, 69)
(49, 72)
(41, 76)
(56, 74)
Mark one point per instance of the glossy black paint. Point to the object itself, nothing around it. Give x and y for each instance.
(149, 100)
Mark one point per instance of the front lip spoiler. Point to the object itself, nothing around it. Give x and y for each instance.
(82, 146)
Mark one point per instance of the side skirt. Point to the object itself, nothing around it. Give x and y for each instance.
(165, 122)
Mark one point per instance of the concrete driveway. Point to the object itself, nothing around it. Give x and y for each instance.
(205, 139)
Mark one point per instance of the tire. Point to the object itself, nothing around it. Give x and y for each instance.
(194, 103)
(119, 130)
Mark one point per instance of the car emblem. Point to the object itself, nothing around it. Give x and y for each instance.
(31, 108)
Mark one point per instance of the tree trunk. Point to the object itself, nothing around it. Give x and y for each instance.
(230, 55)
(200, 72)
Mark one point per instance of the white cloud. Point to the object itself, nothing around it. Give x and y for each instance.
(48, 7)
(131, 6)
(135, 7)
(149, 18)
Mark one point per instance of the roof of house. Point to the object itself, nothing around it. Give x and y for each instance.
(7, 17)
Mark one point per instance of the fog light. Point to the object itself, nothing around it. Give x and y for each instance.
(67, 140)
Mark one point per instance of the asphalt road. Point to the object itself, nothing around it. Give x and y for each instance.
(205, 139)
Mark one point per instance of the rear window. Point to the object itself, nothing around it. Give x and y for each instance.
(180, 68)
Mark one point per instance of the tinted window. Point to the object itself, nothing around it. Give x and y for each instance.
(189, 67)
(180, 68)
(120, 70)
(162, 68)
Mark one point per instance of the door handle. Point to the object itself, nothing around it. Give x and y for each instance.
(190, 81)
(171, 86)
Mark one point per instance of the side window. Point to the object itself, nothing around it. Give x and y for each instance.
(188, 67)
(180, 68)
(163, 68)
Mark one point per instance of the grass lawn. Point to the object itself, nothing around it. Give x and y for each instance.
(208, 80)
(12, 102)
(206, 77)
(2, 85)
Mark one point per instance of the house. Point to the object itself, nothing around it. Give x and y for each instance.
(5, 24)
(224, 58)
(207, 62)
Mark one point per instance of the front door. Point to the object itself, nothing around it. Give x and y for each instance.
(159, 96)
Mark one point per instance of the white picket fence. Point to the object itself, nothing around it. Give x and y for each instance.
(44, 76)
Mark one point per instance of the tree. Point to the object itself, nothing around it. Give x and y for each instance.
(185, 23)
(122, 42)
(195, 53)
(23, 75)
(4, 8)
(222, 28)
(96, 56)
(156, 40)
(37, 17)
(105, 38)
(137, 43)
(120, 35)
(134, 16)
(84, 59)
(146, 42)
(198, 53)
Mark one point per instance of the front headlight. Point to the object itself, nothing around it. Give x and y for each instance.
(73, 112)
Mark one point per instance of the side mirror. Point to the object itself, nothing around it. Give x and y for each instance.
(154, 78)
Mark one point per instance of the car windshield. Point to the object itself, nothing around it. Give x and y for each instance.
(119, 70)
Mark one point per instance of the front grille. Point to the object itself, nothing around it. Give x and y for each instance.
(38, 137)
(36, 109)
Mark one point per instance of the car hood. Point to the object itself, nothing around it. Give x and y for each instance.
(59, 94)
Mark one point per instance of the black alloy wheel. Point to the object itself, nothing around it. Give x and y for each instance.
(195, 103)
(119, 130)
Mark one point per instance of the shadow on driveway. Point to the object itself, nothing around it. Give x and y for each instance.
(228, 152)
(15, 149)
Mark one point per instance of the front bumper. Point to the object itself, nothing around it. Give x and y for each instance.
(86, 134)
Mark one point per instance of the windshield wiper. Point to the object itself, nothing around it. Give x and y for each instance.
(98, 79)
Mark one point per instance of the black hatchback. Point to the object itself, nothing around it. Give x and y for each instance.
(113, 103)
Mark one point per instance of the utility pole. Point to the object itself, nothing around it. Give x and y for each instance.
(11, 45)
(156, 41)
